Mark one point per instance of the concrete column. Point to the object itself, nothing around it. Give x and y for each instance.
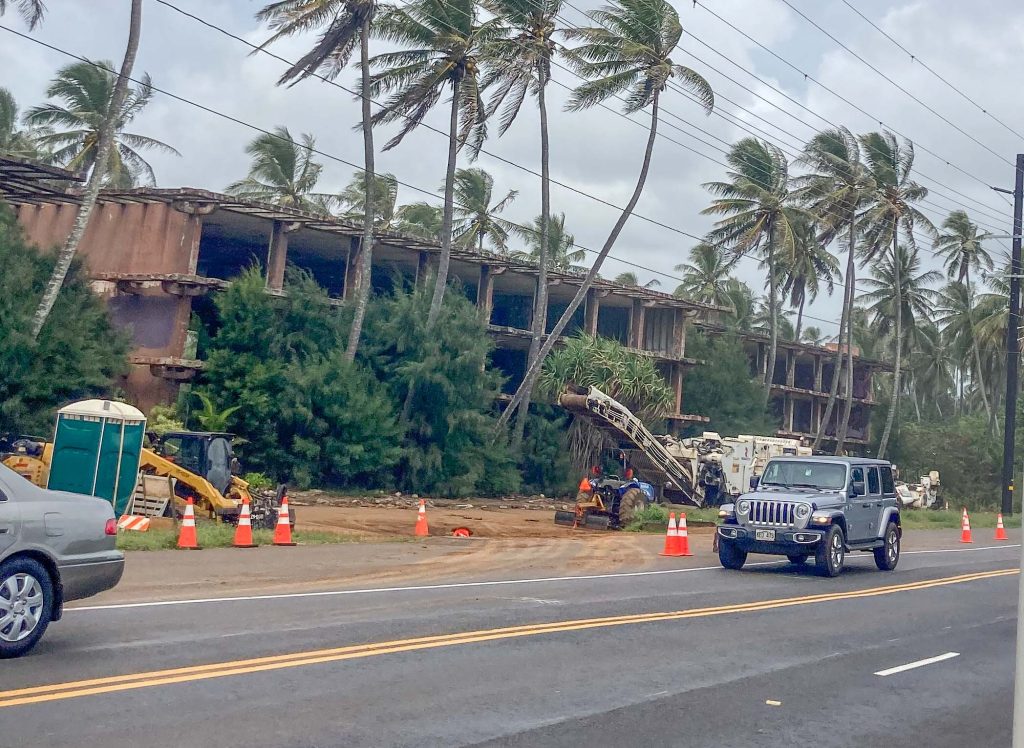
(678, 343)
(591, 313)
(355, 252)
(425, 264)
(277, 256)
(818, 366)
(790, 368)
(193, 228)
(485, 293)
(636, 325)
(787, 417)
(677, 377)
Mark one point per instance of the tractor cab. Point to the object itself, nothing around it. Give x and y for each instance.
(206, 454)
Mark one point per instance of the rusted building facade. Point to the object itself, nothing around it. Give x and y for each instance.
(157, 255)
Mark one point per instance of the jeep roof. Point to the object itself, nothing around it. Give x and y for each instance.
(827, 458)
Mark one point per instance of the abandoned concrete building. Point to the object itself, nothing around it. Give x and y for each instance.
(157, 255)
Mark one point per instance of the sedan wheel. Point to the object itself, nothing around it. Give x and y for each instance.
(26, 603)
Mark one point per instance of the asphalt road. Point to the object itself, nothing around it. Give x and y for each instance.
(771, 656)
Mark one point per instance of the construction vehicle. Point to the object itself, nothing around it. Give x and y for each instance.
(704, 470)
(607, 502)
(198, 465)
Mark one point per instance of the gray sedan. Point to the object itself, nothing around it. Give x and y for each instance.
(54, 547)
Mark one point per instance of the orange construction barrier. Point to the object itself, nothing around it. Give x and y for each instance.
(283, 531)
(243, 533)
(421, 521)
(965, 528)
(671, 538)
(683, 538)
(1000, 530)
(187, 537)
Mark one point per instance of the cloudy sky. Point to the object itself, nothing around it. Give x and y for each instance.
(977, 47)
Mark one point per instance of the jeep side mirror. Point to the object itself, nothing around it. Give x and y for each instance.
(857, 488)
(754, 480)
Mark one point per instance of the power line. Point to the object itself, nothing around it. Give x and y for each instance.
(922, 63)
(897, 85)
(808, 77)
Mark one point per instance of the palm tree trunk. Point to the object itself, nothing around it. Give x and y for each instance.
(977, 352)
(104, 147)
(540, 307)
(791, 364)
(844, 423)
(773, 316)
(913, 394)
(895, 401)
(534, 370)
(845, 323)
(441, 282)
(366, 257)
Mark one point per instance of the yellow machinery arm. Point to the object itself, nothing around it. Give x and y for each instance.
(204, 495)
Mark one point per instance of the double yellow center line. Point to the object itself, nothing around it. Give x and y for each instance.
(113, 684)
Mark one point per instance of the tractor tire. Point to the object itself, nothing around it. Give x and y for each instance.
(583, 497)
(631, 502)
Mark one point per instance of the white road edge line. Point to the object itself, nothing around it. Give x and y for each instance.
(919, 663)
(454, 585)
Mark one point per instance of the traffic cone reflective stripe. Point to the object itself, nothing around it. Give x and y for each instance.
(243, 533)
(683, 539)
(283, 530)
(187, 538)
(965, 528)
(1000, 530)
(671, 538)
(422, 530)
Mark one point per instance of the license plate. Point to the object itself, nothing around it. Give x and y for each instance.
(764, 535)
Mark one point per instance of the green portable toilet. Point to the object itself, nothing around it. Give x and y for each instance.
(96, 450)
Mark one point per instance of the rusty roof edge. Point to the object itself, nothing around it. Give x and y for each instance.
(325, 223)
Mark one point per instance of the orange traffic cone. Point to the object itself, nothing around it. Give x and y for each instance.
(1000, 530)
(965, 528)
(243, 533)
(187, 537)
(684, 539)
(283, 531)
(671, 538)
(422, 530)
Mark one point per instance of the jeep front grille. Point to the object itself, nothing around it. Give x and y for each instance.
(773, 513)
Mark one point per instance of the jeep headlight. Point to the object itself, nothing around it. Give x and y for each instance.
(743, 507)
(821, 518)
(802, 510)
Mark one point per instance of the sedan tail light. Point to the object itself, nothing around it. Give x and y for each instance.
(111, 527)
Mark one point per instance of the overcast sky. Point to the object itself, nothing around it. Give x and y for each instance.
(977, 47)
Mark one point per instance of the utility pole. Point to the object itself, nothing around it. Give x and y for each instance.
(1012, 341)
(1012, 346)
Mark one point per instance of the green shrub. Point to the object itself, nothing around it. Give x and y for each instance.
(258, 481)
(652, 516)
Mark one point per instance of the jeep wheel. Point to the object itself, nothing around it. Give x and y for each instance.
(731, 556)
(798, 559)
(831, 553)
(888, 555)
(26, 603)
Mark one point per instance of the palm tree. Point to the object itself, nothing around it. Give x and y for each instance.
(932, 365)
(105, 146)
(446, 40)
(764, 317)
(283, 172)
(384, 188)
(86, 90)
(956, 315)
(740, 301)
(342, 25)
(420, 220)
(627, 52)
(833, 191)
(560, 254)
(14, 141)
(963, 246)
(889, 212)
(476, 217)
(705, 275)
(811, 269)
(813, 336)
(900, 292)
(629, 278)
(31, 10)
(759, 216)
(521, 62)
